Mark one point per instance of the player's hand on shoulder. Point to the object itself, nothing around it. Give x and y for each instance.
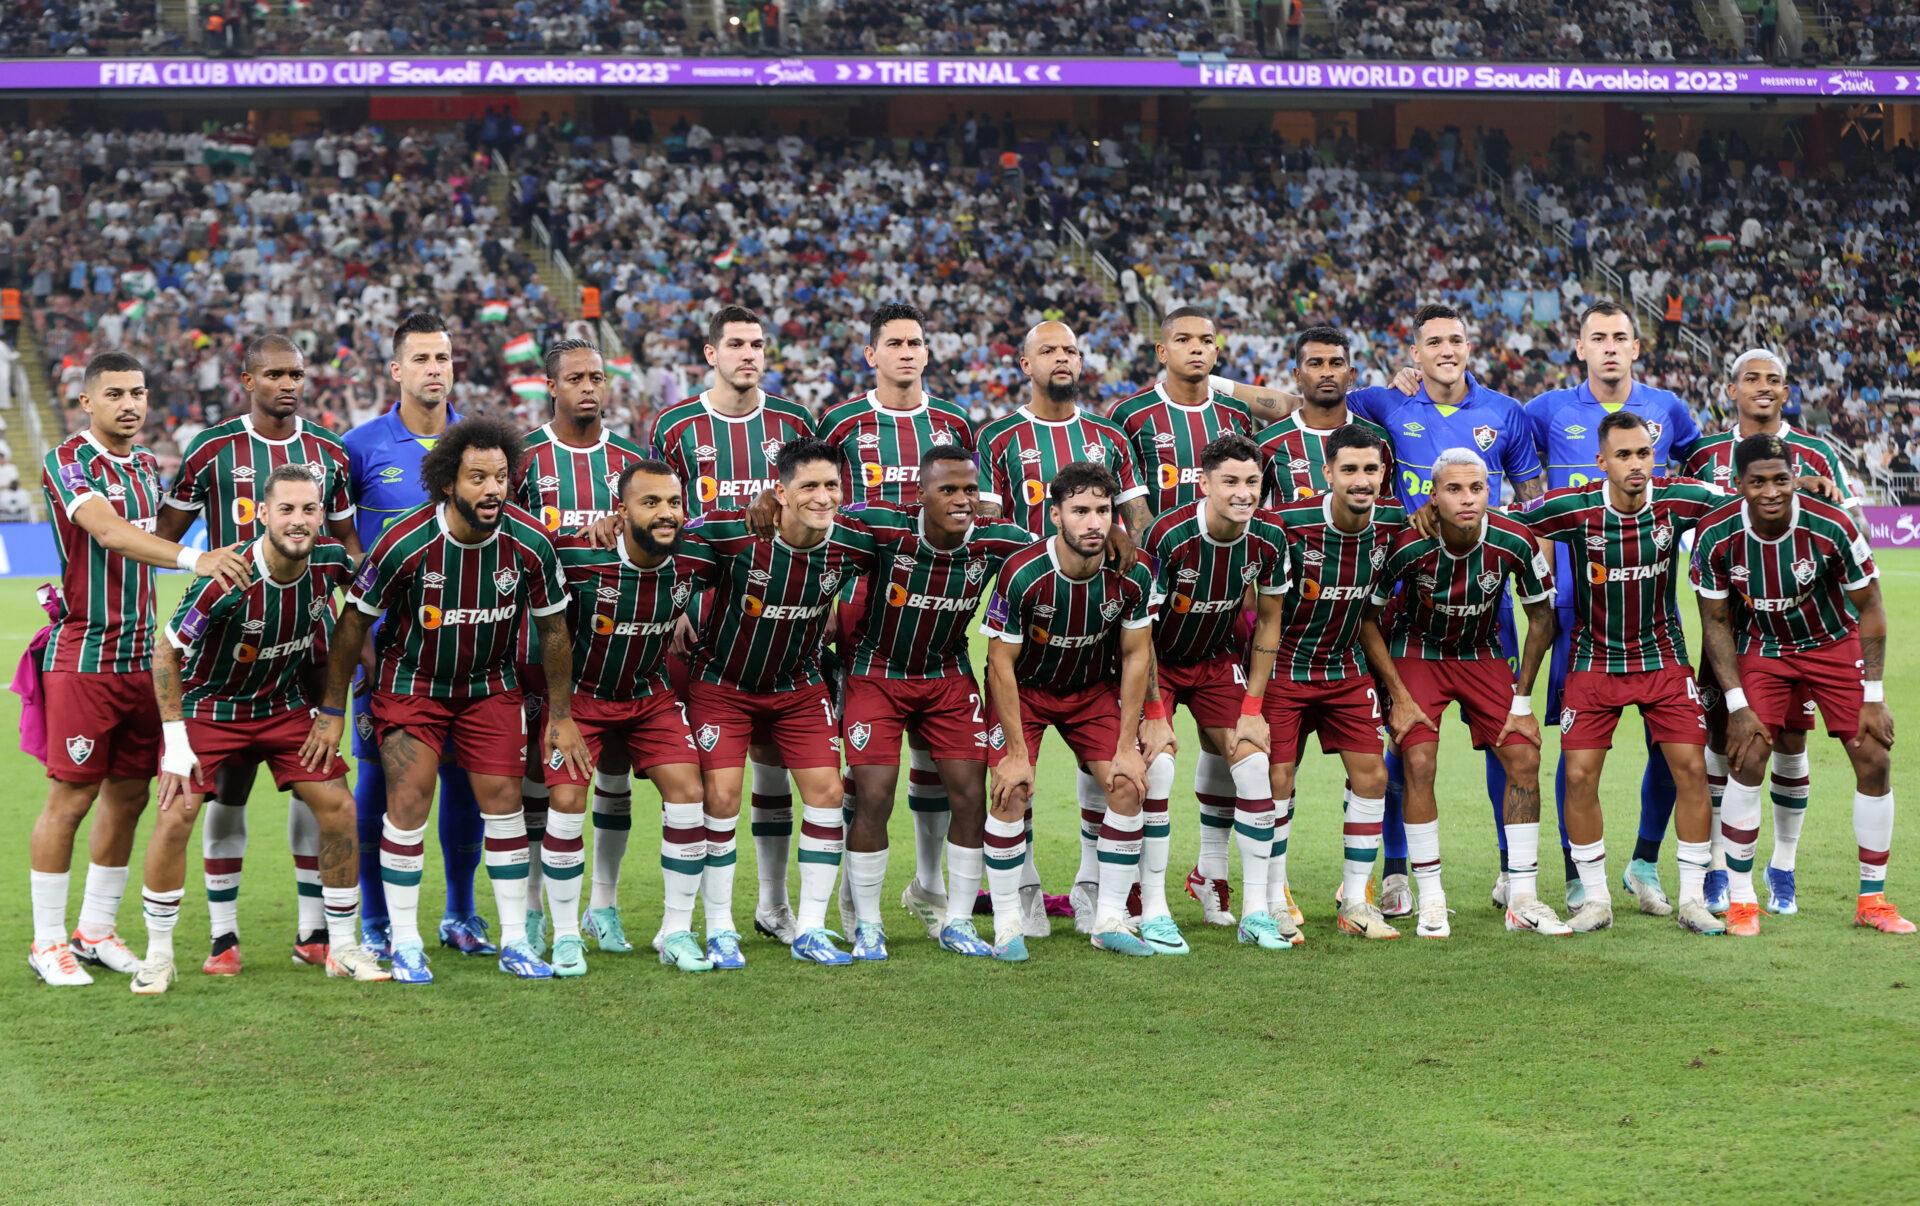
(1408, 380)
(763, 515)
(227, 564)
(1122, 550)
(1425, 521)
(1820, 487)
(602, 533)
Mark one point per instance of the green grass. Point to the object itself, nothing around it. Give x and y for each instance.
(1641, 1064)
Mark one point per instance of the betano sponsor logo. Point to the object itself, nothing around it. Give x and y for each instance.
(454, 617)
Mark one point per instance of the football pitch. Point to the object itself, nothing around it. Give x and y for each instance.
(1641, 1064)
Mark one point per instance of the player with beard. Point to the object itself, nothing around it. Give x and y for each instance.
(1314, 679)
(1207, 554)
(1295, 447)
(623, 606)
(1438, 643)
(566, 480)
(1020, 453)
(224, 470)
(1566, 432)
(1627, 652)
(1797, 564)
(230, 684)
(102, 729)
(455, 575)
(722, 444)
(1070, 647)
(1757, 386)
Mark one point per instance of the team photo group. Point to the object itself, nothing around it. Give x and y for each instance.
(756, 608)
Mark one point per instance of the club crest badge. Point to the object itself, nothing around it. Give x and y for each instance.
(1662, 536)
(1110, 610)
(859, 733)
(505, 580)
(1484, 435)
(770, 447)
(1096, 452)
(830, 581)
(681, 593)
(1803, 570)
(556, 760)
(1567, 716)
(940, 437)
(976, 572)
(709, 736)
(997, 737)
(1488, 581)
(79, 749)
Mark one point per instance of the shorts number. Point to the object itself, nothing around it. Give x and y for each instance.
(1239, 675)
(826, 705)
(683, 715)
(1373, 701)
(974, 699)
(1693, 689)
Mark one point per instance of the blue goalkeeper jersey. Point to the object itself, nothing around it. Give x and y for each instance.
(1486, 420)
(383, 471)
(1566, 433)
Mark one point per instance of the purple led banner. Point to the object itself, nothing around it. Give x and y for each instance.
(93, 75)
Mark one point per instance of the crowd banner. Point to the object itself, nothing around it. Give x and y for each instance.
(1894, 527)
(1194, 73)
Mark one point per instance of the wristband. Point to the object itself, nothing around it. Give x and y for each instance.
(1156, 709)
(1250, 705)
(1522, 705)
(1736, 699)
(1873, 691)
(188, 559)
(1220, 385)
(176, 755)
(324, 710)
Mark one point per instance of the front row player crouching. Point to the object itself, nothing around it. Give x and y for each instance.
(1206, 556)
(1070, 645)
(1438, 643)
(455, 573)
(1796, 562)
(228, 680)
(624, 604)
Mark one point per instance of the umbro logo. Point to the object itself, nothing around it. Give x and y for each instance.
(759, 577)
(902, 561)
(1576, 431)
(608, 592)
(253, 625)
(243, 473)
(1165, 439)
(549, 482)
(1313, 557)
(1029, 456)
(706, 452)
(868, 439)
(431, 578)
(1188, 575)
(1596, 542)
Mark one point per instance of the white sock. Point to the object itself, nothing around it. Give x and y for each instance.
(683, 857)
(1004, 853)
(1156, 836)
(1361, 839)
(340, 906)
(1119, 855)
(565, 855)
(867, 872)
(506, 860)
(932, 817)
(964, 871)
(49, 905)
(1739, 833)
(303, 838)
(771, 822)
(1590, 860)
(1029, 866)
(1093, 807)
(716, 878)
(1253, 828)
(533, 803)
(100, 900)
(223, 848)
(1523, 861)
(401, 859)
(162, 910)
(1277, 856)
(1423, 859)
(822, 839)
(1215, 789)
(1873, 833)
(1694, 858)
(612, 826)
(1790, 787)
(1716, 787)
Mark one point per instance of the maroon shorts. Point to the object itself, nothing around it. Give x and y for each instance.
(1799, 708)
(1669, 703)
(275, 741)
(1212, 690)
(847, 616)
(652, 730)
(679, 676)
(488, 733)
(800, 724)
(944, 712)
(1089, 720)
(1830, 676)
(1482, 687)
(1345, 712)
(101, 726)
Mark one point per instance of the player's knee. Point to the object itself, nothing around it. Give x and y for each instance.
(1522, 763)
(1871, 764)
(1369, 783)
(1160, 777)
(1252, 776)
(1421, 762)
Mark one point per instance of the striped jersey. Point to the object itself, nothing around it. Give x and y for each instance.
(1020, 454)
(1623, 581)
(767, 613)
(622, 616)
(923, 597)
(1793, 589)
(383, 471)
(565, 487)
(1448, 607)
(452, 609)
(1333, 576)
(726, 461)
(1068, 629)
(1712, 460)
(1200, 584)
(1166, 439)
(226, 467)
(881, 448)
(243, 649)
(1296, 457)
(107, 626)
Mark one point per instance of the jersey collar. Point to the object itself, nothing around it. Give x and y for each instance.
(1793, 521)
(440, 517)
(1160, 388)
(1200, 513)
(554, 436)
(1467, 400)
(873, 400)
(1028, 414)
(260, 565)
(299, 426)
(964, 540)
(1053, 558)
(706, 404)
(1478, 541)
(115, 457)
